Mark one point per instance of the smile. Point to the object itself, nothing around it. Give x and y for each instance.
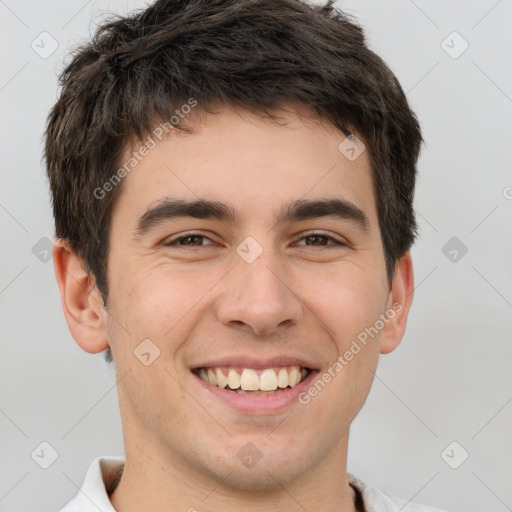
(266, 381)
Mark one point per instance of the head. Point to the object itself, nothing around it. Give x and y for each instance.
(247, 104)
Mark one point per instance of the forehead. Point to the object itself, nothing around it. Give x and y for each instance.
(254, 164)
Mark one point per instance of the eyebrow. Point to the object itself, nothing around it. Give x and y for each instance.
(301, 209)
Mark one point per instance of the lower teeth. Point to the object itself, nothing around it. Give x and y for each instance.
(256, 393)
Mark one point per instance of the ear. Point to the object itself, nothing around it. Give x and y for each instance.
(81, 300)
(399, 304)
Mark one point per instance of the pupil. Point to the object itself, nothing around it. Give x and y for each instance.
(315, 238)
(191, 239)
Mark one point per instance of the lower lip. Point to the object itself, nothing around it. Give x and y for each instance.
(247, 404)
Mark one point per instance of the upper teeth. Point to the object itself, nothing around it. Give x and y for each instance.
(249, 380)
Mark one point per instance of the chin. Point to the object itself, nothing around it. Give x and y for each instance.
(266, 472)
(264, 479)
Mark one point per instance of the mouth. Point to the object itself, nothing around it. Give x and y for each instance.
(254, 382)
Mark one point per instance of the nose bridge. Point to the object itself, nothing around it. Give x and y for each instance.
(257, 294)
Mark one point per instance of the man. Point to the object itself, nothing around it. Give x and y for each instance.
(232, 185)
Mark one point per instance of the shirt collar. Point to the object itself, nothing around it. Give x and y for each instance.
(93, 496)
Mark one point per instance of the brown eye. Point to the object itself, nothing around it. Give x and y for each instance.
(316, 240)
(190, 240)
(319, 240)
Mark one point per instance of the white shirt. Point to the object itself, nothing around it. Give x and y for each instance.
(103, 474)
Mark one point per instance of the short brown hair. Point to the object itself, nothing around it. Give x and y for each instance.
(255, 54)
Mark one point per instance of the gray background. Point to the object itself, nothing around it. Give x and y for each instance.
(450, 380)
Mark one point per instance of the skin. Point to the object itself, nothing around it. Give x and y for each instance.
(195, 303)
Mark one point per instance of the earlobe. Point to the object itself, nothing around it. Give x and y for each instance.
(399, 304)
(81, 300)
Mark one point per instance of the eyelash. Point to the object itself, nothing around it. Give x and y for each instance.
(174, 241)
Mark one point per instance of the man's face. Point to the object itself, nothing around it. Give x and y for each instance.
(272, 288)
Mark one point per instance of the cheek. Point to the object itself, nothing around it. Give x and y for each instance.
(160, 301)
(345, 301)
(349, 303)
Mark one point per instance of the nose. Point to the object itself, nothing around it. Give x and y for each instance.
(258, 298)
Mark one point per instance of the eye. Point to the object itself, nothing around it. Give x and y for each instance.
(189, 240)
(199, 240)
(319, 240)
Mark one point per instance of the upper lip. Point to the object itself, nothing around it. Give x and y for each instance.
(256, 363)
